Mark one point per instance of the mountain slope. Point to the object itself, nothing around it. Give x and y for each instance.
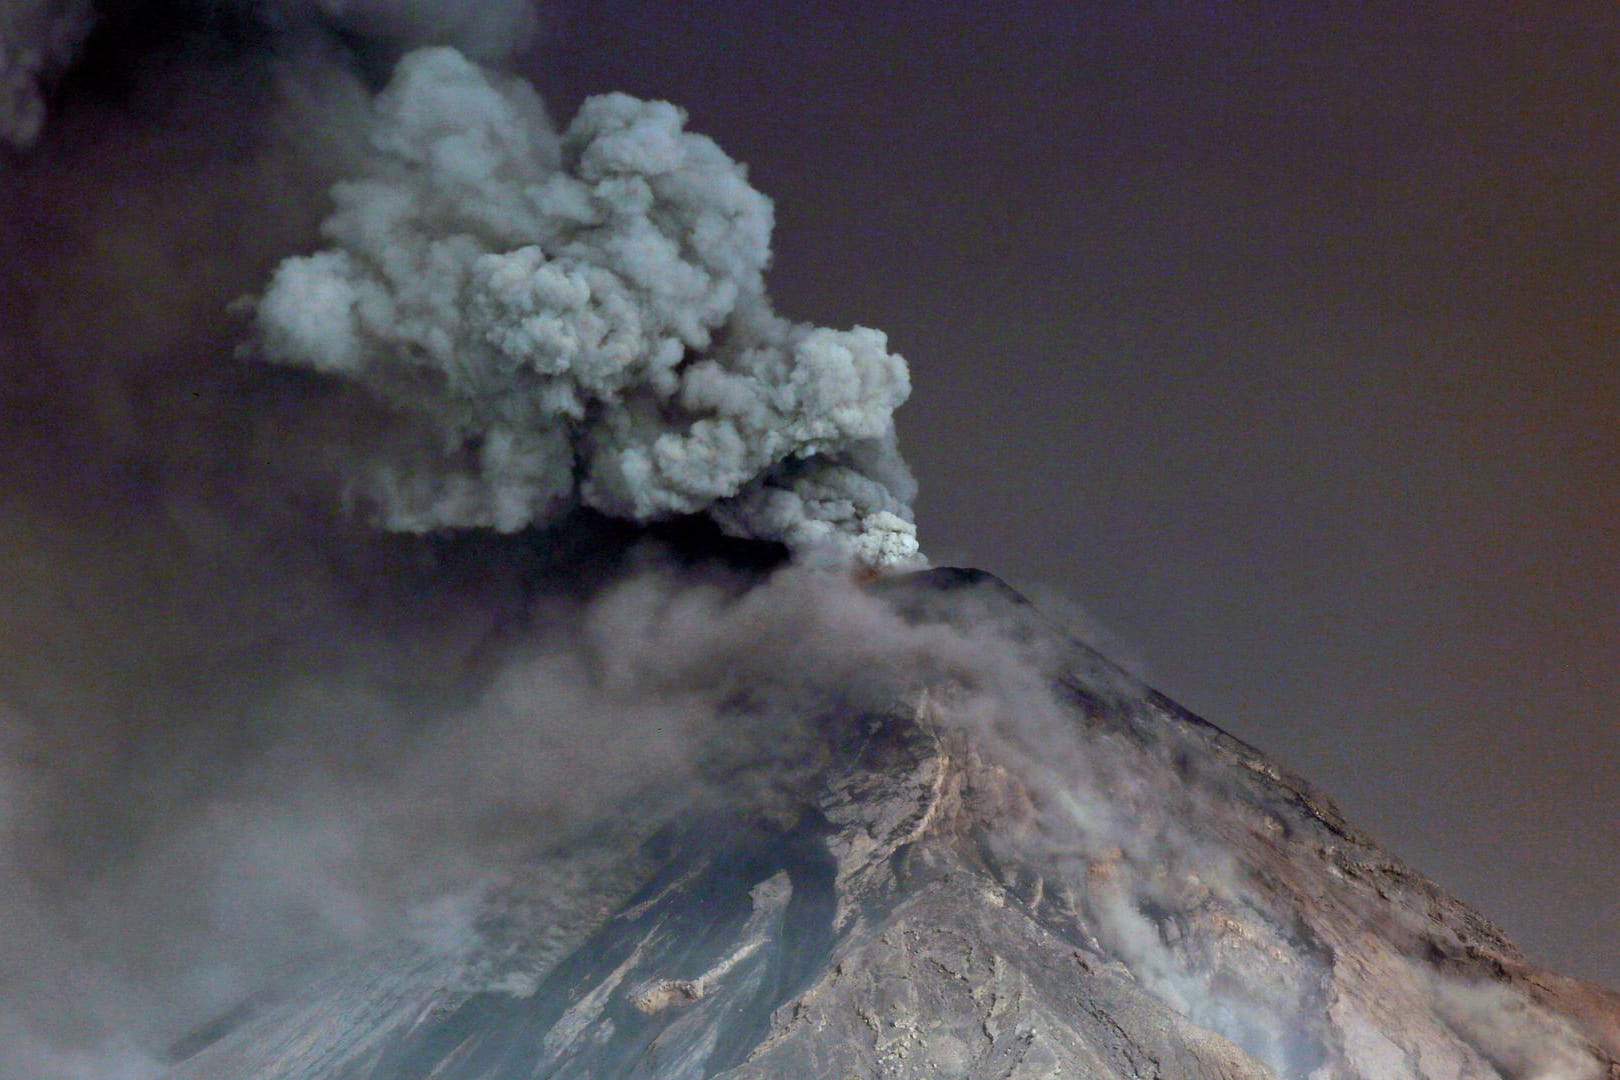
(1118, 890)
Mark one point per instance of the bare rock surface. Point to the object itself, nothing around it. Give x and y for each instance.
(919, 902)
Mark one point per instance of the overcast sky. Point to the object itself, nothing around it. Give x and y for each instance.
(1283, 341)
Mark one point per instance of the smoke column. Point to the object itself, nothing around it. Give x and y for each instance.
(580, 319)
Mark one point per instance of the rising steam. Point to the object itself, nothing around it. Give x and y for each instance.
(580, 319)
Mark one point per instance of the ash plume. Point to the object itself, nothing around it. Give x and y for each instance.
(580, 319)
(548, 320)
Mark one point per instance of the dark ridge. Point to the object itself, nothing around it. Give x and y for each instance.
(938, 594)
(949, 579)
(1101, 692)
(965, 596)
(1305, 796)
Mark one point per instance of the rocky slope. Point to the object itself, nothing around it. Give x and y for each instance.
(907, 895)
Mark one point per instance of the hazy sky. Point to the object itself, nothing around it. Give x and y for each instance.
(1282, 340)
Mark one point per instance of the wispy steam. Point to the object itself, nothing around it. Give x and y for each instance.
(581, 319)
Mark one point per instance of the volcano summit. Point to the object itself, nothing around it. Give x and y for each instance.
(1027, 864)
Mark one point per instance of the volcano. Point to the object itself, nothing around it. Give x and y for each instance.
(461, 626)
(899, 892)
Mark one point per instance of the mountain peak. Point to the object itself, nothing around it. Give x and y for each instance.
(1117, 889)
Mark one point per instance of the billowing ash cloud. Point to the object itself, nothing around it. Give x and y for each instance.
(38, 39)
(580, 318)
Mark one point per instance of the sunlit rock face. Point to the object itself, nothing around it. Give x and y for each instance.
(1122, 890)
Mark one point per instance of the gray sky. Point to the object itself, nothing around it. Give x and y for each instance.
(1284, 341)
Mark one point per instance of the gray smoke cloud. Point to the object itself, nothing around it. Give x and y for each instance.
(580, 318)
